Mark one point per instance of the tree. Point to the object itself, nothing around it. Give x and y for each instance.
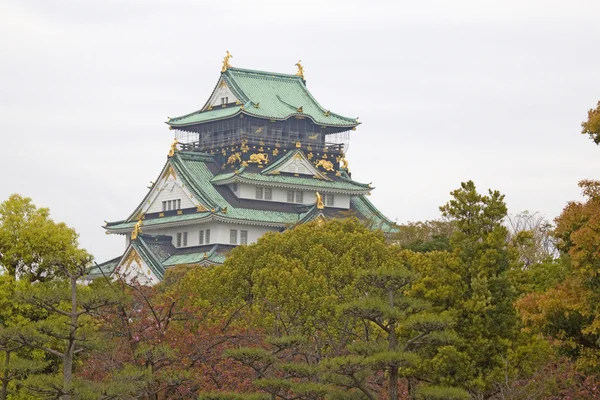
(424, 236)
(174, 347)
(68, 330)
(591, 127)
(17, 361)
(33, 249)
(292, 282)
(32, 245)
(397, 330)
(569, 311)
(531, 233)
(474, 282)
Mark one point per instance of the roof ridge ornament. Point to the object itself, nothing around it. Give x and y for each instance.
(320, 204)
(300, 71)
(137, 229)
(173, 148)
(226, 63)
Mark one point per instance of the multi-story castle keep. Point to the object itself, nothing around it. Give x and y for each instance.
(261, 155)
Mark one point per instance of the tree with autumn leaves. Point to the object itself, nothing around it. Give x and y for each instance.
(569, 311)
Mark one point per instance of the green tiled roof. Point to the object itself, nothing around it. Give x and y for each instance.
(104, 269)
(149, 257)
(267, 95)
(369, 211)
(333, 185)
(196, 258)
(192, 168)
(204, 116)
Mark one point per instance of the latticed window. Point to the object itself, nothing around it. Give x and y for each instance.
(184, 239)
(299, 197)
(207, 236)
(329, 199)
(164, 204)
(201, 237)
(259, 192)
(233, 236)
(178, 243)
(290, 196)
(243, 237)
(268, 194)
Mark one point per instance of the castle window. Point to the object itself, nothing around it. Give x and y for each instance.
(295, 196)
(224, 100)
(329, 199)
(201, 237)
(234, 187)
(184, 239)
(179, 204)
(233, 236)
(207, 236)
(243, 237)
(164, 206)
(259, 193)
(268, 194)
(178, 243)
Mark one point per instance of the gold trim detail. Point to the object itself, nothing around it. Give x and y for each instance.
(137, 229)
(326, 165)
(259, 158)
(300, 71)
(226, 63)
(320, 204)
(173, 148)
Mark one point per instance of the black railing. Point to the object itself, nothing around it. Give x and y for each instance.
(224, 141)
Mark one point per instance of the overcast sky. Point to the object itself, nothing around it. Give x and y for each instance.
(447, 91)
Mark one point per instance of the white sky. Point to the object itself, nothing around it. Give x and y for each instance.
(493, 91)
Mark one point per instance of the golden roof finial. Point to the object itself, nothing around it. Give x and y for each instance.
(226, 63)
(137, 229)
(300, 71)
(320, 204)
(173, 148)
(344, 163)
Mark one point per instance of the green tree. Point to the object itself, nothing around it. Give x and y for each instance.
(32, 249)
(475, 283)
(591, 127)
(32, 245)
(69, 328)
(424, 236)
(400, 333)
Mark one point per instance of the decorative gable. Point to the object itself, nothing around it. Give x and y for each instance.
(133, 268)
(297, 163)
(221, 96)
(168, 193)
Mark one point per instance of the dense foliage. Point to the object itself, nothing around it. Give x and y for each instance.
(477, 305)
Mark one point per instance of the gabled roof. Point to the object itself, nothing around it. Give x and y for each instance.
(277, 165)
(284, 180)
(204, 179)
(266, 95)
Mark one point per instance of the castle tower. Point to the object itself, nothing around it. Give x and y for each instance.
(261, 155)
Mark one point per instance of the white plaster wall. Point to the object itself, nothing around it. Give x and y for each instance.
(247, 191)
(170, 191)
(219, 232)
(221, 92)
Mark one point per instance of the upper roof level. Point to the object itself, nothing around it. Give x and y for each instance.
(266, 95)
